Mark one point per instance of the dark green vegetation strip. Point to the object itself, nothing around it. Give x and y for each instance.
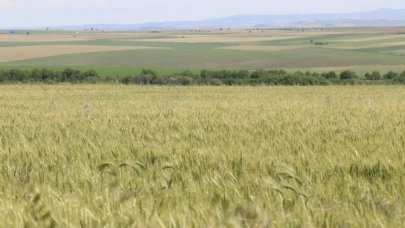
(204, 77)
(105, 71)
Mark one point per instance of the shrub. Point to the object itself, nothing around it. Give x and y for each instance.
(373, 76)
(390, 75)
(258, 74)
(205, 74)
(243, 74)
(143, 79)
(92, 80)
(148, 72)
(215, 82)
(189, 74)
(330, 74)
(400, 78)
(229, 81)
(299, 73)
(347, 74)
(36, 75)
(126, 80)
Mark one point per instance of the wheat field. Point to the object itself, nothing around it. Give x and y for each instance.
(129, 156)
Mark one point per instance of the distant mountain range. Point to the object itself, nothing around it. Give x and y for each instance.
(381, 17)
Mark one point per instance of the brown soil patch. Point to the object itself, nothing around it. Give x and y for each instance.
(39, 38)
(31, 52)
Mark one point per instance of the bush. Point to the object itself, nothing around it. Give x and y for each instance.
(258, 74)
(189, 74)
(390, 75)
(243, 74)
(373, 76)
(143, 79)
(36, 75)
(205, 74)
(229, 81)
(347, 74)
(174, 80)
(92, 80)
(299, 73)
(148, 72)
(330, 74)
(215, 82)
(126, 80)
(400, 78)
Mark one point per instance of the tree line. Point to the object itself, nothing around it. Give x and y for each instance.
(205, 77)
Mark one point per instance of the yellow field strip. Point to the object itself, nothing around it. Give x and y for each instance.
(373, 38)
(399, 52)
(362, 68)
(359, 46)
(71, 36)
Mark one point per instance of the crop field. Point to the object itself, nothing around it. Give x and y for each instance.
(20, 53)
(132, 156)
(359, 49)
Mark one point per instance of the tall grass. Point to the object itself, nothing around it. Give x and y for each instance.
(129, 156)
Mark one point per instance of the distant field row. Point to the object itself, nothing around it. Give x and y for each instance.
(359, 49)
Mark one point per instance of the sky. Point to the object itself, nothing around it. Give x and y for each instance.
(48, 13)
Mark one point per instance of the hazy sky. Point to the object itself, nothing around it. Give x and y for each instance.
(42, 13)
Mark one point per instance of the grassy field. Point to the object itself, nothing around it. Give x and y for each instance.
(359, 49)
(129, 156)
(106, 71)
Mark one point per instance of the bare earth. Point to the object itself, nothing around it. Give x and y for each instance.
(39, 38)
(31, 52)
